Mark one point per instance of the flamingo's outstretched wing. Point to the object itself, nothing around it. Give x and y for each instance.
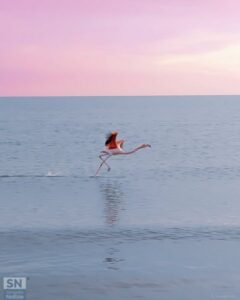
(111, 140)
(120, 143)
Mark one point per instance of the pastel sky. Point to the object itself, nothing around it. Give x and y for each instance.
(119, 47)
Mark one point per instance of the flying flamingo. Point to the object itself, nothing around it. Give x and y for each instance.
(114, 147)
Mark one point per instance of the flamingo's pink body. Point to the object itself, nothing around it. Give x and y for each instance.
(114, 147)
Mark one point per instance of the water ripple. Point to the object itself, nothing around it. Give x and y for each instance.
(121, 235)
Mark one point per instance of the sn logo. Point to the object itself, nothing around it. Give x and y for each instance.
(14, 283)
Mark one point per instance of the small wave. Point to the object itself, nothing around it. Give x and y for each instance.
(121, 235)
(31, 176)
(53, 174)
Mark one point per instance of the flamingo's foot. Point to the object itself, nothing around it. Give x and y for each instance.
(109, 169)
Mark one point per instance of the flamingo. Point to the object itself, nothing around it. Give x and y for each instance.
(114, 147)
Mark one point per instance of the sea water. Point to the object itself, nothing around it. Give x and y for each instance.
(164, 222)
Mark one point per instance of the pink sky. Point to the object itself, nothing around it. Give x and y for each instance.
(119, 47)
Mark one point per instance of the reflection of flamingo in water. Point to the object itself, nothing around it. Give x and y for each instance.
(114, 147)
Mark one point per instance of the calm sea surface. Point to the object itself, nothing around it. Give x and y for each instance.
(164, 221)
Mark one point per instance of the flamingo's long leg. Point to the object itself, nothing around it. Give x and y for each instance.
(103, 161)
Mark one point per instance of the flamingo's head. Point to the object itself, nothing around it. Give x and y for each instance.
(146, 145)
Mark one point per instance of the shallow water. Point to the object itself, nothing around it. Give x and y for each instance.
(164, 221)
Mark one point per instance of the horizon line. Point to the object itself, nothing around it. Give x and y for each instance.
(94, 96)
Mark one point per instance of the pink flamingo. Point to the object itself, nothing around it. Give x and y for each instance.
(114, 147)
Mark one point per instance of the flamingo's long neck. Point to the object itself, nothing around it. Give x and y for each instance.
(134, 150)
